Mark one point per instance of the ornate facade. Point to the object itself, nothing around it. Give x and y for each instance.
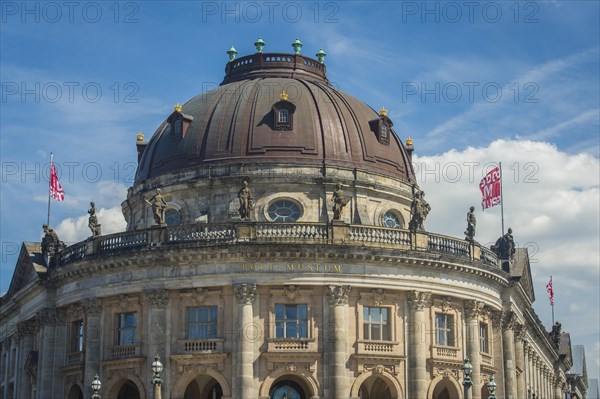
(267, 293)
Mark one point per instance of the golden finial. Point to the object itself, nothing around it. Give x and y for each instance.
(178, 108)
(283, 96)
(409, 141)
(140, 136)
(383, 111)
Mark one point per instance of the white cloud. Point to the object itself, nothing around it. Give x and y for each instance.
(73, 230)
(552, 202)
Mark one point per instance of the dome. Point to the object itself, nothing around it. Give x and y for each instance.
(240, 122)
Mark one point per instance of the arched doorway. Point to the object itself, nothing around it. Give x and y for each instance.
(128, 391)
(375, 388)
(286, 389)
(445, 390)
(75, 393)
(203, 387)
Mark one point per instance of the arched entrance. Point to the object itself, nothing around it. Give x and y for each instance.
(444, 389)
(286, 389)
(375, 388)
(75, 393)
(128, 391)
(203, 387)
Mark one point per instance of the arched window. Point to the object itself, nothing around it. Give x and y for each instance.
(392, 220)
(287, 390)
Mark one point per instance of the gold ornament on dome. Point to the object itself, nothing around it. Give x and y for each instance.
(283, 96)
(140, 136)
(178, 108)
(409, 141)
(383, 111)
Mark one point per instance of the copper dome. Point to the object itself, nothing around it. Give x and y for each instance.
(236, 123)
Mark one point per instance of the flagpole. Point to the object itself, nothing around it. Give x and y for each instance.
(552, 302)
(49, 188)
(501, 198)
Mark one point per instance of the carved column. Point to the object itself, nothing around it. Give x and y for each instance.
(25, 331)
(520, 360)
(338, 383)
(417, 350)
(472, 311)
(244, 381)
(557, 387)
(536, 377)
(60, 353)
(498, 351)
(158, 337)
(46, 320)
(92, 308)
(508, 342)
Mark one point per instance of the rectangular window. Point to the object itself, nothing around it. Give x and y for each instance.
(375, 324)
(202, 322)
(483, 338)
(127, 329)
(290, 321)
(284, 116)
(77, 336)
(444, 329)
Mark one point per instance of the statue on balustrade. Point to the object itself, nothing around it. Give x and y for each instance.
(340, 200)
(419, 210)
(555, 333)
(93, 220)
(505, 246)
(51, 244)
(246, 202)
(159, 207)
(471, 224)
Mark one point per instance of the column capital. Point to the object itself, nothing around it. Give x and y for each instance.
(418, 299)
(509, 320)
(338, 294)
(245, 293)
(26, 327)
(158, 298)
(520, 332)
(92, 306)
(473, 308)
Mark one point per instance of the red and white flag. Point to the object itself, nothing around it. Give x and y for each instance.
(550, 291)
(491, 189)
(56, 190)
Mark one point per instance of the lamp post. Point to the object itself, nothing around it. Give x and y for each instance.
(491, 386)
(157, 368)
(467, 369)
(96, 385)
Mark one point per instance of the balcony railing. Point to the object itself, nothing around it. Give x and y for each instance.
(377, 347)
(291, 345)
(445, 352)
(74, 358)
(124, 351)
(201, 346)
(206, 234)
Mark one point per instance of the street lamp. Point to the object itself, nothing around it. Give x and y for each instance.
(157, 368)
(96, 385)
(491, 386)
(467, 369)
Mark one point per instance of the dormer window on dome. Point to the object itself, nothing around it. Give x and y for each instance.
(382, 127)
(283, 113)
(178, 123)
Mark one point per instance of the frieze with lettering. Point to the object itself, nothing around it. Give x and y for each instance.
(297, 267)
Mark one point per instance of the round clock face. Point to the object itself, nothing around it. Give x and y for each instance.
(172, 217)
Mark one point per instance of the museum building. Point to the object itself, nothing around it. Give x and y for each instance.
(276, 248)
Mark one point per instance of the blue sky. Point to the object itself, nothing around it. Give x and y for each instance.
(511, 81)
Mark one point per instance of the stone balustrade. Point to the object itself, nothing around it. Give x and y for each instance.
(445, 352)
(291, 345)
(124, 351)
(201, 346)
(206, 234)
(377, 347)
